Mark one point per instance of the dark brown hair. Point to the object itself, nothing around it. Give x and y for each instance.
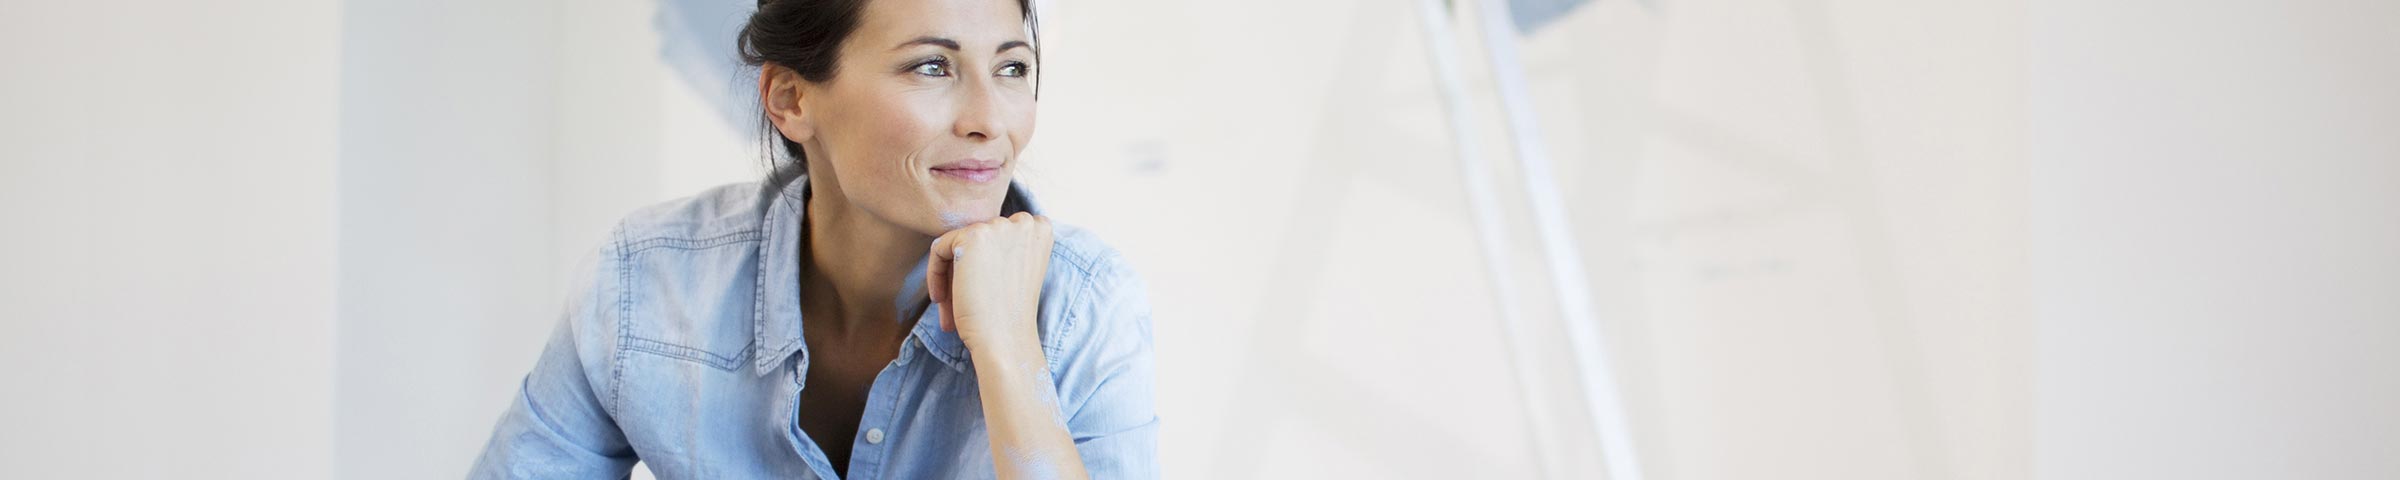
(806, 36)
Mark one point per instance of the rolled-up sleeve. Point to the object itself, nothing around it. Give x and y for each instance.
(1108, 375)
(558, 426)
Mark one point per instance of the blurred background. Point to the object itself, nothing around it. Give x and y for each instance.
(1815, 239)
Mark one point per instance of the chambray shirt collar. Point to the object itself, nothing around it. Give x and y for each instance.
(776, 322)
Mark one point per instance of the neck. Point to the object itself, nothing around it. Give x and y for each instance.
(854, 259)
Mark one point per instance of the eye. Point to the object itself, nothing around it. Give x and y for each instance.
(1013, 69)
(933, 68)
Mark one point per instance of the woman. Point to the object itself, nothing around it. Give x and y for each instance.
(888, 305)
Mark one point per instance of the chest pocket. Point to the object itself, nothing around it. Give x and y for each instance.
(691, 300)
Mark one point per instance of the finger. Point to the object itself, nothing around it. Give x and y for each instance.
(949, 320)
(937, 268)
(946, 246)
(939, 262)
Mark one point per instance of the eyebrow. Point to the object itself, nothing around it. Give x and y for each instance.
(953, 44)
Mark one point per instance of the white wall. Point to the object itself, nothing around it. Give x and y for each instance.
(1803, 222)
(447, 263)
(2217, 239)
(167, 271)
(487, 148)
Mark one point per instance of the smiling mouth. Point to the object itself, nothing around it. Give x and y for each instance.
(970, 171)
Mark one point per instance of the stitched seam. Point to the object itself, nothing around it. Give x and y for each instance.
(711, 359)
(1080, 259)
(690, 243)
(758, 299)
(616, 375)
(1070, 322)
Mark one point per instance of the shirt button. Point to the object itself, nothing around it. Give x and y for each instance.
(875, 435)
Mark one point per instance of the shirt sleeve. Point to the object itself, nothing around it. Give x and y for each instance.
(1107, 378)
(558, 424)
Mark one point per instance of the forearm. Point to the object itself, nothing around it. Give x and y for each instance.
(1020, 411)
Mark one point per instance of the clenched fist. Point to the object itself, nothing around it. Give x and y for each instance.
(988, 279)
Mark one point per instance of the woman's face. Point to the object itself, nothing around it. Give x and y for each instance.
(930, 102)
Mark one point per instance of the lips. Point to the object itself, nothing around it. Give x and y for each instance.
(969, 170)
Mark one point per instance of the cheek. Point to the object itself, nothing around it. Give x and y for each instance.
(887, 133)
(890, 139)
(1024, 131)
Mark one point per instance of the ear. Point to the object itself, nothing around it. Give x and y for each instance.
(780, 89)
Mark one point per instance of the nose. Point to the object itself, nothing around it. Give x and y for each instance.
(980, 112)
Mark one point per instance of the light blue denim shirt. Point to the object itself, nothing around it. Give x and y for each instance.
(682, 350)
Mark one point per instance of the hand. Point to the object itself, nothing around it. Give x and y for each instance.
(987, 277)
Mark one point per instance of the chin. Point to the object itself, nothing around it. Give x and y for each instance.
(957, 204)
(958, 216)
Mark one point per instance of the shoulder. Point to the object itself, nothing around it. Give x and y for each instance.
(1079, 260)
(1082, 253)
(1093, 295)
(1097, 334)
(717, 214)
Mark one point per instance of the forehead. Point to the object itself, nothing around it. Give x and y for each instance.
(975, 24)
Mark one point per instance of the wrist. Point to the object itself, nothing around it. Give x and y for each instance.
(1013, 358)
(1002, 340)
